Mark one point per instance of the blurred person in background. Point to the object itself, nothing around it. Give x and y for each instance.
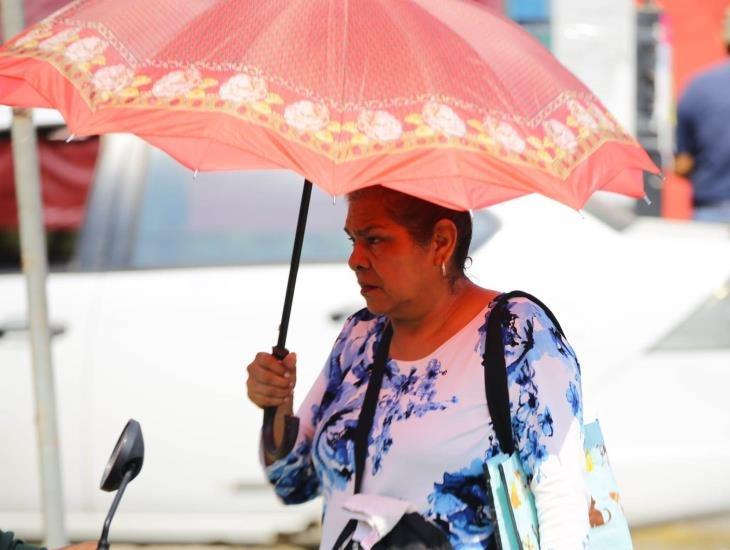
(9, 542)
(703, 139)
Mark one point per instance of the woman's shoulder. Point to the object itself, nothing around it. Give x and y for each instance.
(363, 315)
(530, 328)
(524, 306)
(350, 346)
(362, 323)
(524, 315)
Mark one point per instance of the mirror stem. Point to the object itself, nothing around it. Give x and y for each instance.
(103, 541)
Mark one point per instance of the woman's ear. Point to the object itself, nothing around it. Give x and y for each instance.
(444, 241)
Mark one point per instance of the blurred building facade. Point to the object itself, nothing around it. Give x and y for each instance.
(694, 34)
(637, 56)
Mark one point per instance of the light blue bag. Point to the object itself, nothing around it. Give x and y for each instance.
(514, 505)
(517, 526)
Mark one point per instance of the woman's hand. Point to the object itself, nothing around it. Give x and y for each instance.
(271, 381)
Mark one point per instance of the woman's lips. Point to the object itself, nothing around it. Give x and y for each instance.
(366, 289)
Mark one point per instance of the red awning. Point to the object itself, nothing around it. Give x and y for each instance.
(66, 174)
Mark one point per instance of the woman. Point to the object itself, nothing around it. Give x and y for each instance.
(431, 432)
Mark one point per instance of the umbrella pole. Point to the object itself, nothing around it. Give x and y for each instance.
(291, 423)
(35, 267)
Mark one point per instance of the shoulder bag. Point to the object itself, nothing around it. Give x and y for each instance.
(516, 516)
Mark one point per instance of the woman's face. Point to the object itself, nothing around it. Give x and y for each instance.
(394, 272)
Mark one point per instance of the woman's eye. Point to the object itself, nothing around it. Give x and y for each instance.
(374, 240)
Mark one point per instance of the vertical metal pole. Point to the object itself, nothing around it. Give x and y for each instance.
(35, 268)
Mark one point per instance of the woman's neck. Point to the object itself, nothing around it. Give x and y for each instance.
(448, 312)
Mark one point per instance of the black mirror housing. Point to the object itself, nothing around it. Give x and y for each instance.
(128, 455)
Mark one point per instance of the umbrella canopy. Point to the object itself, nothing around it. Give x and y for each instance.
(442, 99)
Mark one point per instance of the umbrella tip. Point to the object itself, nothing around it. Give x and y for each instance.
(195, 174)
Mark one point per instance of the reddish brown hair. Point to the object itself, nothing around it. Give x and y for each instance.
(419, 217)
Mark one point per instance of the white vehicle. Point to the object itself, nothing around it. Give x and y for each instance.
(177, 281)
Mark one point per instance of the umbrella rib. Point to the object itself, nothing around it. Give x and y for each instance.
(291, 6)
(343, 78)
(503, 94)
(425, 74)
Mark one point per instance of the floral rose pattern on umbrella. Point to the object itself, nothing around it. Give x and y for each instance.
(505, 134)
(177, 83)
(32, 36)
(307, 116)
(85, 49)
(581, 114)
(379, 125)
(601, 117)
(561, 135)
(59, 39)
(243, 88)
(442, 118)
(112, 79)
(554, 141)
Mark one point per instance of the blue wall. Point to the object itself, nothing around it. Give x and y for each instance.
(533, 15)
(525, 11)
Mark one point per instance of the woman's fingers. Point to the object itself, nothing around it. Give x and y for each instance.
(270, 370)
(286, 367)
(290, 362)
(275, 390)
(268, 378)
(270, 363)
(271, 381)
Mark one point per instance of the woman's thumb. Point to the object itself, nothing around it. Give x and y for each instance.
(290, 361)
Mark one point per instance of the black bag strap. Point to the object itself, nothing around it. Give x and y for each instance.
(495, 369)
(365, 425)
(367, 411)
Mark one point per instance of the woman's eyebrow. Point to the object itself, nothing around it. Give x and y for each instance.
(365, 230)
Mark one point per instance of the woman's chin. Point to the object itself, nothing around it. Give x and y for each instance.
(375, 306)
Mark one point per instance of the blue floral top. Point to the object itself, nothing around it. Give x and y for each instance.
(432, 432)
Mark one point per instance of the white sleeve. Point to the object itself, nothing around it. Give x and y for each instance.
(546, 408)
(561, 496)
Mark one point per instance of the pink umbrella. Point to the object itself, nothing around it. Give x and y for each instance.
(442, 99)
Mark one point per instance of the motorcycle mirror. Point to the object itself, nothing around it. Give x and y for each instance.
(128, 455)
(124, 465)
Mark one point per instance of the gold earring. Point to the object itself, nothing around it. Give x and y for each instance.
(443, 269)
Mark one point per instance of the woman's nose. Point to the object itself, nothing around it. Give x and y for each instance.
(357, 259)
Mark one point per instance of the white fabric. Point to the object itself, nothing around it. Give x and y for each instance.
(376, 515)
(561, 496)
